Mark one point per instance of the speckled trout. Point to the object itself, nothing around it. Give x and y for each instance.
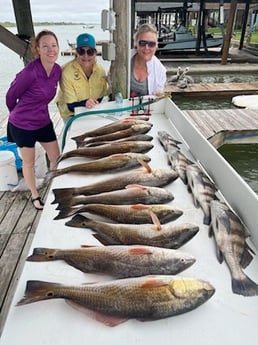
(118, 261)
(143, 298)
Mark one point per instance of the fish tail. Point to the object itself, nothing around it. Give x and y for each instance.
(77, 219)
(244, 286)
(61, 194)
(51, 174)
(67, 212)
(37, 290)
(42, 254)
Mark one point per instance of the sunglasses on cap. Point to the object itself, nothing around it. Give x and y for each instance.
(150, 44)
(89, 51)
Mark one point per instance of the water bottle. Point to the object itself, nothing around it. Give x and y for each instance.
(119, 102)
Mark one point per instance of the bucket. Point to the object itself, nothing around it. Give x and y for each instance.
(8, 172)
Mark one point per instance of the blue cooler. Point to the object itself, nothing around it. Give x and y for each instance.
(7, 146)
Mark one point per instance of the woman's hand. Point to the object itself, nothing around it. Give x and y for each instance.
(90, 103)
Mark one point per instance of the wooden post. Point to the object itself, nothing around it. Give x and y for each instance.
(227, 39)
(244, 27)
(119, 67)
(24, 24)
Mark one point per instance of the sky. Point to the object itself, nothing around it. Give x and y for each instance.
(80, 11)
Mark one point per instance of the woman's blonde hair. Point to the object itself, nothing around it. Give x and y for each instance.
(35, 41)
(143, 29)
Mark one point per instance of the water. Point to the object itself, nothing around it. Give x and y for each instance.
(11, 63)
(242, 157)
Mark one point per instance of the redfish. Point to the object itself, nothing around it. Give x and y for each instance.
(145, 177)
(126, 196)
(118, 261)
(113, 163)
(143, 298)
(169, 235)
(133, 214)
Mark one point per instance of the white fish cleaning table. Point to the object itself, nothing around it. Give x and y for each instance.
(226, 318)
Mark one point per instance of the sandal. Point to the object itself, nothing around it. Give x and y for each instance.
(40, 202)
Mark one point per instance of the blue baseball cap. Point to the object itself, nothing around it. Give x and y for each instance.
(85, 40)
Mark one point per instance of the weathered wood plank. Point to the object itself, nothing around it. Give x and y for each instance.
(214, 89)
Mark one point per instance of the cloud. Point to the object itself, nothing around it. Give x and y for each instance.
(58, 10)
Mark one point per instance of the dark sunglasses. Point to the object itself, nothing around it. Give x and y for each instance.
(89, 51)
(143, 43)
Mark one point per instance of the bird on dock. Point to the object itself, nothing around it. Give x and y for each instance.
(181, 79)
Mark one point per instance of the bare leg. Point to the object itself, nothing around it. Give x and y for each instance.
(28, 169)
(53, 153)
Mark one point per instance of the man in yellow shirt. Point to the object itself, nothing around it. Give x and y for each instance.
(84, 80)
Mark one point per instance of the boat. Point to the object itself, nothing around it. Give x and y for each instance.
(246, 101)
(183, 39)
(88, 26)
(55, 322)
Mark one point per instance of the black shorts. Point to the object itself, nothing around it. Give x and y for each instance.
(28, 138)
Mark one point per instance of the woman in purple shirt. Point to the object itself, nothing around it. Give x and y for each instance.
(27, 100)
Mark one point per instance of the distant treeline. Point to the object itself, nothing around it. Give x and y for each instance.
(10, 24)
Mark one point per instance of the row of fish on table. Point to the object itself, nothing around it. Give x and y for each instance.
(140, 246)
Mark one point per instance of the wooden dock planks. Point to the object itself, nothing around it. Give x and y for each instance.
(213, 89)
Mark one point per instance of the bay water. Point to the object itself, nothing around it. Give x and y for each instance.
(244, 158)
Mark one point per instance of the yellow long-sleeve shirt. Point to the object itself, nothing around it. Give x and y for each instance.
(76, 87)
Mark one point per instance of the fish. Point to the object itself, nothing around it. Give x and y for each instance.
(130, 194)
(166, 139)
(170, 235)
(114, 302)
(137, 137)
(145, 176)
(119, 261)
(202, 188)
(134, 129)
(105, 150)
(133, 214)
(178, 161)
(109, 128)
(113, 163)
(230, 236)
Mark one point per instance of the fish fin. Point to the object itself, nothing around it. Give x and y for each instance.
(211, 232)
(153, 282)
(155, 220)
(88, 246)
(140, 250)
(37, 290)
(244, 286)
(62, 194)
(247, 257)
(140, 207)
(135, 186)
(145, 165)
(219, 255)
(42, 254)
(102, 239)
(207, 219)
(107, 320)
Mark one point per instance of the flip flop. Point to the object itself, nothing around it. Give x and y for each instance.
(40, 202)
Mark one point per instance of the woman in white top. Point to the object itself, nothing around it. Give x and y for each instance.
(148, 75)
